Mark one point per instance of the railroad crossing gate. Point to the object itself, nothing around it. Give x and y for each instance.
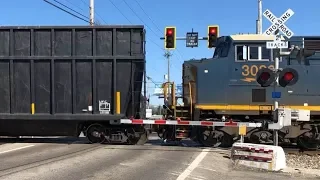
(278, 24)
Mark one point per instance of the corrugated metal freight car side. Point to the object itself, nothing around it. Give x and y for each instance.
(67, 74)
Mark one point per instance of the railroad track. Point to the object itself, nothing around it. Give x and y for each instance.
(28, 165)
(296, 151)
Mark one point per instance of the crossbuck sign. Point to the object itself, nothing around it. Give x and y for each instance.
(278, 24)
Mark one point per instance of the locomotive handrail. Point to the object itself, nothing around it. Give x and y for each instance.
(190, 96)
(173, 98)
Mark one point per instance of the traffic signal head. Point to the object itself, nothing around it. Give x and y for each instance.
(265, 77)
(288, 77)
(170, 38)
(213, 34)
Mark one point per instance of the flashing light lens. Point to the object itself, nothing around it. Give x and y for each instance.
(213, 30)
(170, 32)
(288, 76)
(265, 76)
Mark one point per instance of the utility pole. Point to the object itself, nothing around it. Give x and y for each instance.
(259, 20)
(91, 7)
(168, 55)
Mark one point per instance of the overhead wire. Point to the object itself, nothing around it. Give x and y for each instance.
(132, 23)
(71, 9)
(72, 14)
(95, 12)
(146, 26)
(157, 27)
(139, 17)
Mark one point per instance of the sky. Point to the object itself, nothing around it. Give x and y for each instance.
(232, 16)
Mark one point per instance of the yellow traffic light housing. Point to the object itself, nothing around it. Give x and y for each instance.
(213, 34)
(170, 38)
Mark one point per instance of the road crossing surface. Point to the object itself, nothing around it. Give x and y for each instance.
(71, 159)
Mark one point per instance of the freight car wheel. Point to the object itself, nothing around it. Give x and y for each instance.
(307, 141)
(226, 140)
(210, 138)
(260, 137)
(141, 140)
(144, 137)
(96, 133)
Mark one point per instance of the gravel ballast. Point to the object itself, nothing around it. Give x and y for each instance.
(303, 161)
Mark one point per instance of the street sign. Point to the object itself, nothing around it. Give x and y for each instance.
(277, 45)
(278, 23)
(192, 39)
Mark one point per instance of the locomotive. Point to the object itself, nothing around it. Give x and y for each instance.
(225, 87)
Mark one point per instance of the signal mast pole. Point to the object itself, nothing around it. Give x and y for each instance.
(91, 8)
(167, 55)
(276, 66)
(259, 20)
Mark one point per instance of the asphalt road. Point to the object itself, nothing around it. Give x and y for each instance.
(75, 160)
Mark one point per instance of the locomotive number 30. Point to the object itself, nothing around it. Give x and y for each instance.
(253, 69)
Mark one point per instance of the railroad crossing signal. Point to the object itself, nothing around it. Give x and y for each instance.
(213, 34)
(278, 24)
(287, 77)
(265, 77)
(170, 38)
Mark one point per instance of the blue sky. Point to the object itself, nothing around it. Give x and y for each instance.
(233, 16)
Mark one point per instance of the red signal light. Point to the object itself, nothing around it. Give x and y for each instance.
(288, 76)
(170, 37)
(213, 30)
(213, 33)
(265, 77)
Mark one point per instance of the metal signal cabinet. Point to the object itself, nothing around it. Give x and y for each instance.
(54, 78)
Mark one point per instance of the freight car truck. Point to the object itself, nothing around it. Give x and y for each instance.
(61, 81)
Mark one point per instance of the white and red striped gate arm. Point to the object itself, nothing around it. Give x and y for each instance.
(190, 123)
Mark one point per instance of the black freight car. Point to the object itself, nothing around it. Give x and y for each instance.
(62, 80)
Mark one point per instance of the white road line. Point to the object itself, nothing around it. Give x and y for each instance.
(193, 165)
(16, 149)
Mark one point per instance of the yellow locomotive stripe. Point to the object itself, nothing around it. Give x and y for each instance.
(250, 107)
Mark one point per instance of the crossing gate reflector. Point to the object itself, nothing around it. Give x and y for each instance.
(259, 156)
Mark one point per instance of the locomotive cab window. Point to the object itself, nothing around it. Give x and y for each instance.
(221, 50)
(252, 53)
